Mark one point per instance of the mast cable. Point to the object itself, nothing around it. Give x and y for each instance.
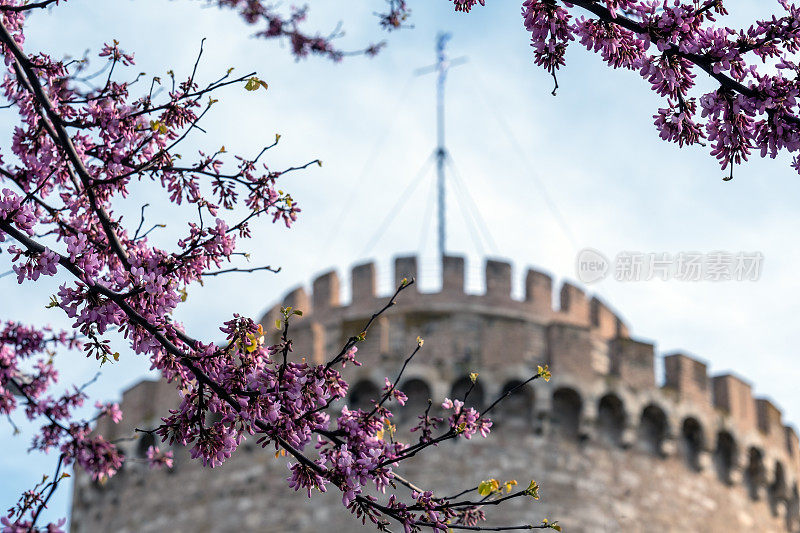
(551, 205)
(471, 224)
(480, 222)
(352, 197)
(426, 219)
(401, 200)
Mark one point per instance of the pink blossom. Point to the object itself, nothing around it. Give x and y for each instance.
(157, 459)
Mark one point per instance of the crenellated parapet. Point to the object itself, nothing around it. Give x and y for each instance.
(572, 307)
(604, 386)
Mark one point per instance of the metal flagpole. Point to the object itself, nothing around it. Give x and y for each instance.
(442, 66)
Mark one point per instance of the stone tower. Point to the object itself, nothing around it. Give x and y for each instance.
(612, 449)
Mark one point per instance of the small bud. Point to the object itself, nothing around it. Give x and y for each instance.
(544, 373)
(533, 492)
(420, 341)
(473, 377)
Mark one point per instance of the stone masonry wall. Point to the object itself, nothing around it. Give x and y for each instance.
(610, 448)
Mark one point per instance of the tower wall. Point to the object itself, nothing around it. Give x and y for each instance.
(611, 448)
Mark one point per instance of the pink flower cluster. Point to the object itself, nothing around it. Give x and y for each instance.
(288, 26)
(27, 375)
(466, 421)
(754, 107)
(157, 459)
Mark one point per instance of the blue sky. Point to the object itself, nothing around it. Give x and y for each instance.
(592, 150)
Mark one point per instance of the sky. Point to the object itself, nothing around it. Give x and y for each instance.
(549, 175)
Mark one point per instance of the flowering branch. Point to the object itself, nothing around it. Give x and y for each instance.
(754, 106)
(75, 152)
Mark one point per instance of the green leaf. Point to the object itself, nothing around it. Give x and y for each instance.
(487, 487)
(253, 84)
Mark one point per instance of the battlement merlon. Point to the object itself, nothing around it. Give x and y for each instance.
(144, 401)
(688, 376)
(498, 280)
(573, 304)
(734, 396)
(453, 274)
(539, 291)
(633, 362)
(325, 291)
(604, 321)
(770, 418)
(406, 268)
(298, 299)
(363, 282)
